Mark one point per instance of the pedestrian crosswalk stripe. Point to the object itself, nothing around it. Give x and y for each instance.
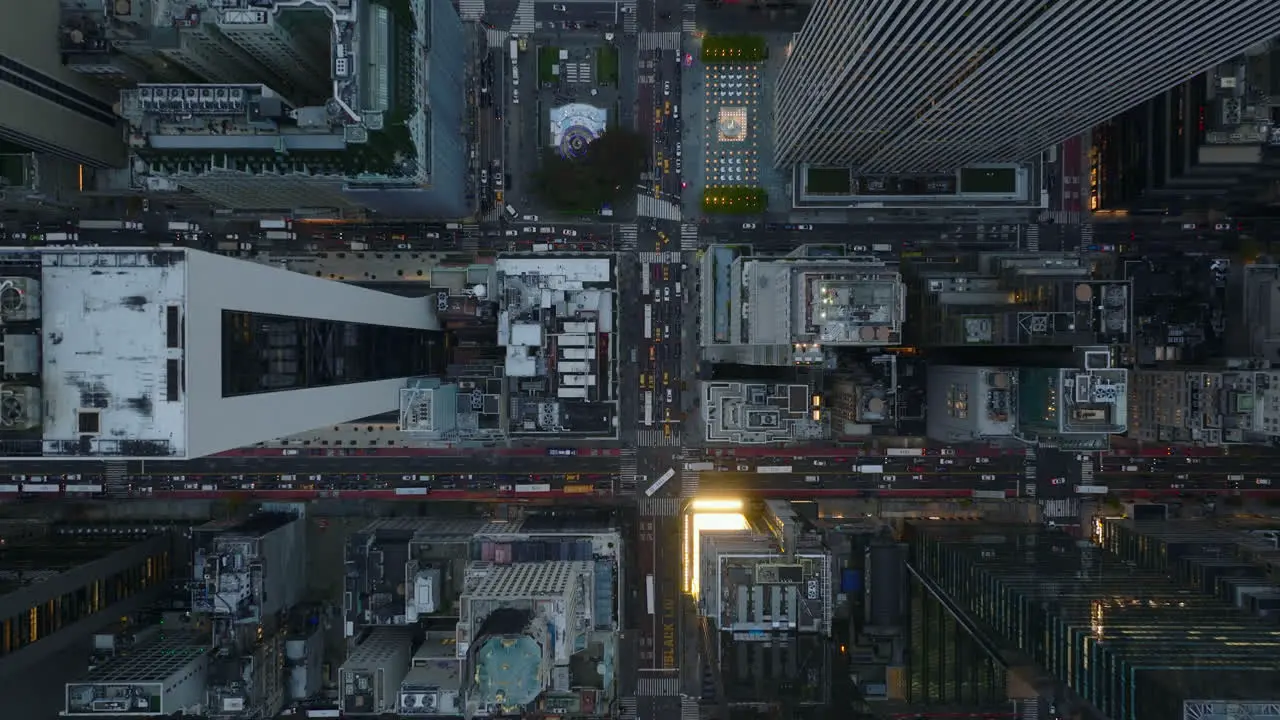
(523, 22)
(627, 237)
(660, 257)
(659, 686)
(658, 507)
(470, 237)
(1033, 238)
(629, 18)
(689, 236)
(1064, 217)
(470, 10)
(650, 206)
(653, 437)
(689, 484)
(660, 41)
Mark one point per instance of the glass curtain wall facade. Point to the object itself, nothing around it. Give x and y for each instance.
(47, 617)
(1130, 641)
(934, 85)
(946, 665)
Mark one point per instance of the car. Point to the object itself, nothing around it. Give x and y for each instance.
(570, 233)
(289, 451)
(861, 249)
(529, 229)
(432, 236)
(804, 227)
(1222, 226)
(1130, 468)
(1188, 226)
(889, 478)
(670, 396)
(1177, 486)
(666, 88)
(988, 478)
(406, 478)
(946, 461)
(512, 233)
(404, 246)
(744, 468)
(1263, 481)
(484, 177)
(547, 230)
(560, 8)
(946, 451)
(1182, 476)
(748, 226)
(1058, 481)
(562, 452)
(317, 478)
(627, 9)
(982, 460)
(819, 463)
(666, 293)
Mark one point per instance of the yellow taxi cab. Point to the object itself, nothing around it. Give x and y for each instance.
(667, 414)
(666, 272)
(497, 196)
(657, 192)
(666, 431)
(665, 378)
(571, 477)
(653, 353)
(666, 108)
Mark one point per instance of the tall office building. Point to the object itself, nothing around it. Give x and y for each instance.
(929, 85)
(112, 353)
(333, 106)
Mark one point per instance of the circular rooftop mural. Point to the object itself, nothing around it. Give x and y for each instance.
(574, 126)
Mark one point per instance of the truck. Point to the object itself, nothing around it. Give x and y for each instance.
(110, 225)
(183, 227)
(870, 469)
(274, 224)
(358, 246)
(61, 237)
(280, 235)
(514, 51)
(881, 247)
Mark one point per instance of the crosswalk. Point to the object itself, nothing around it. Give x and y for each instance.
(689, 483)
(523, 22)
(628, 236)
(470, 10)
(629, 18)
(1060, 509)
(1033, 238)
(660, 257)
(689, 236)
(628, 708)
(658, 686)
(628, 469)
(659, 507)
(650, 206)
(1064, 217)
(660, 41)
(116, 479)
(653, 437)
(470, 237)
(689, 22)
(1086, 235)
(689, 708)
(1029, 471)
(1086, 470)
(494, 38)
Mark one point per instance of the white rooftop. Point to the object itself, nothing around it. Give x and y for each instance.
(528, 581)
(559, 273)
(105, 348)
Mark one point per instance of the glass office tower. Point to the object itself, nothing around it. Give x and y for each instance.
(1131, 641)
(934, 85)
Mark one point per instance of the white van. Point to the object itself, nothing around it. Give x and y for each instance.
(511, 212)
(453, 226)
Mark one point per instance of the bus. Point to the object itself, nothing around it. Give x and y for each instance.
(1091, 489)
(657, 485)
(774, 469)
(904, 452)
(274, 224)
(110, 225)
(644, 279)
(648, 322)
(648, 593)
(648, 408)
